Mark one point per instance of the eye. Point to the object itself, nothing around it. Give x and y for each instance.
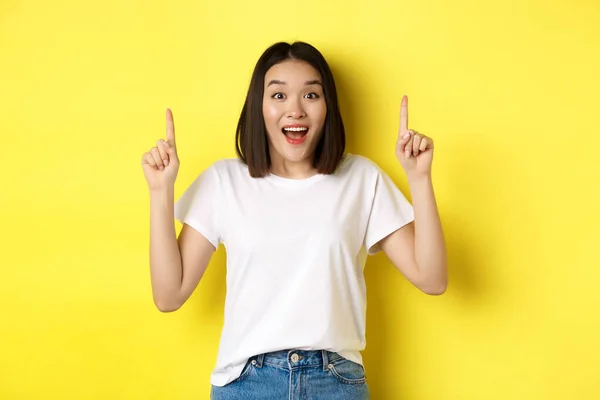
(278, 96)
(312, 95)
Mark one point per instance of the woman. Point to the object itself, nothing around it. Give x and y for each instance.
(298, 217)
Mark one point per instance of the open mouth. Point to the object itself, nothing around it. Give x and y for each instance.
(296, 134)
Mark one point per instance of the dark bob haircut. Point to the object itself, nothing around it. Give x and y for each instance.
(252, 144)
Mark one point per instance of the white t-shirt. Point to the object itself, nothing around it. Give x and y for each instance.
(296, 251)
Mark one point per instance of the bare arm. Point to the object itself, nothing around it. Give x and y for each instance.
(418, 249)
(176, 265)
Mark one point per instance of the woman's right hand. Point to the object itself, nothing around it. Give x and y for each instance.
(161, 163)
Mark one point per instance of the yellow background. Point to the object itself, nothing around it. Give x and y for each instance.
(507, 89)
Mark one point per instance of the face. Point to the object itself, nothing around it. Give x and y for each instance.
(294, 110)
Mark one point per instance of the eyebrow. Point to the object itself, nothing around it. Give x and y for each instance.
(307, 83)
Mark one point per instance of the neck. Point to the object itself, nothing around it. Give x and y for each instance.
(292, 170)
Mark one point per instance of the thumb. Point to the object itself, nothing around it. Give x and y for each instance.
(402, 141)
(171, 151)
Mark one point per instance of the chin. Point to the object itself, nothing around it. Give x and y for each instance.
(298, 154)
(297, 158)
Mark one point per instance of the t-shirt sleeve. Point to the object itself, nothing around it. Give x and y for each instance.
(390, 210)
(198, 206)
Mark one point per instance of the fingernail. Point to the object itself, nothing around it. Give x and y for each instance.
(405, 136)
(407, 153)
(166, 144)
(161, 168)
(166, 162)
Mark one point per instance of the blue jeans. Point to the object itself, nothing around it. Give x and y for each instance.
(297, 375)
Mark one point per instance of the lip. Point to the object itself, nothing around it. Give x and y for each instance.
(296, 141)
(295, 126)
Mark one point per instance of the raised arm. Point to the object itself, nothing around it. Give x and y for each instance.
(176, 265)
(418, 249)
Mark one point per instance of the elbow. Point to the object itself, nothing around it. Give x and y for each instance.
(434, 283)
(435, 288)
(166, 306)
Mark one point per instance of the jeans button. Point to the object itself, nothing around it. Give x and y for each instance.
(295, 357)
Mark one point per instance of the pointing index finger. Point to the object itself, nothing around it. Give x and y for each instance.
(170, 128)
(404, 116)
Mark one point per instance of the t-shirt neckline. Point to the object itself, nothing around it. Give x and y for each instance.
(295, 182)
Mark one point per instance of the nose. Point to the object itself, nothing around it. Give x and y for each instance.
(295, 109)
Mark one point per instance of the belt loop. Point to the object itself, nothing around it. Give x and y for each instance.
(325, 360)
(259, 360)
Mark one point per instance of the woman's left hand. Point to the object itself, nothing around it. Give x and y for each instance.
(413, 149)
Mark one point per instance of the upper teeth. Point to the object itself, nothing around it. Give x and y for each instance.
(295, 129)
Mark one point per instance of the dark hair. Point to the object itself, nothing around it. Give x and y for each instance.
(252, 144)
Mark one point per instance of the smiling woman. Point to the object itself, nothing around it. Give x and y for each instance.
(295, 133)
(293, 104)
(292, 86)
(298, 217)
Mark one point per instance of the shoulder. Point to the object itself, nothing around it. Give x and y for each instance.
(227, 167)
(227, 164)
(218, 172)
(354, 164)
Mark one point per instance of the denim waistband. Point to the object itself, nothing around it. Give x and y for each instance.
(297, 358)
